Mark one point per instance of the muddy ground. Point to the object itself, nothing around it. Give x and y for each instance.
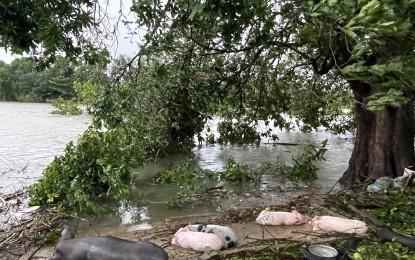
(250, 235)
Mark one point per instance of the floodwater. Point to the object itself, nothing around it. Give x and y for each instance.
(30, 137)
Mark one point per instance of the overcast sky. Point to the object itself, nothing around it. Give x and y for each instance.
(125, 45)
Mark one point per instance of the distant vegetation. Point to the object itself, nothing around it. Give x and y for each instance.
(65, 84)
(22, 81)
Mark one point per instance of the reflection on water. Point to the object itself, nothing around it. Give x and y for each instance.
(130, 215)
(30, 137)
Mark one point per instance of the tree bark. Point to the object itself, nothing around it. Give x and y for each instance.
(384, 143)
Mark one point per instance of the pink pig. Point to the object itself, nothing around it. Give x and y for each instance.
(279, 218)
(198, 241)
(343, 225)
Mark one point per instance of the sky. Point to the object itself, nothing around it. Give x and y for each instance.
(125, 44)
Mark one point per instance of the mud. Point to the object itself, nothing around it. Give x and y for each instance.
(250, 236)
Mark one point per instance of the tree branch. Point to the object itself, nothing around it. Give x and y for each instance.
(291, 46)
(384, 231)
(216, 50)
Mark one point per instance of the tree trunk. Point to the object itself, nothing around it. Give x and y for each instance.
(384, 143)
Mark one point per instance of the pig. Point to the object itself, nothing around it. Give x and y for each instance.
(279, 218)
(67, 233)
(337, 224)
(197, 241)
(226, 234)
(104, 248)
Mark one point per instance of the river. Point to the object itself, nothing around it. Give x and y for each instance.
(30, 137)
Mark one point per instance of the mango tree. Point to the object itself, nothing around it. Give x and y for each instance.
(264, 58)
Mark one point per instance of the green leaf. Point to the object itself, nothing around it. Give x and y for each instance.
(350, 33)
(198, 8)
(332, 2)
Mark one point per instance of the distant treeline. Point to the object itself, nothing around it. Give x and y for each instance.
(23, 81)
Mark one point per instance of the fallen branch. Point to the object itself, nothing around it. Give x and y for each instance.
(384, 231)
(278, 143)
(214, 188)
(390, 235)
(324, 235)
(366, 216)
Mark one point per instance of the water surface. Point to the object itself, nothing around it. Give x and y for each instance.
(30, 137)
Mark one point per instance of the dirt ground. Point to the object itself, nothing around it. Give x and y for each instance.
(250, 235)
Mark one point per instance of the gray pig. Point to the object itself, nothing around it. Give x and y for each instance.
(104, 248)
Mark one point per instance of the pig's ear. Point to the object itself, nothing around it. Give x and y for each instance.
(297, 218)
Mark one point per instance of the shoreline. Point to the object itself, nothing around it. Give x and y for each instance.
(27, 240)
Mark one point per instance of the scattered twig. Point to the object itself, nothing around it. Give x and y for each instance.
(278, 143)
(21, 236)
(323, 235)
(335, 184)
(3, 200)
(214, 188)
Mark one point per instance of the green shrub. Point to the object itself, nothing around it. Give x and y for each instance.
(303, 164)
(237, 172)
(394, 207)
(87, 92)
(186, 178)
(99, 165)
(93, 168)
(237, 133)
(65, 107)
(189, 179)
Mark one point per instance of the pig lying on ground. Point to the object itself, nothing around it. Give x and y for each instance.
(197, 241)
(105, 248)
(279, 218)
(336, 224)
(67, 233)
(226, 234)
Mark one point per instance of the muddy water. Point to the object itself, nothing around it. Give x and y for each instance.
(154, 212)
(30, 137)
